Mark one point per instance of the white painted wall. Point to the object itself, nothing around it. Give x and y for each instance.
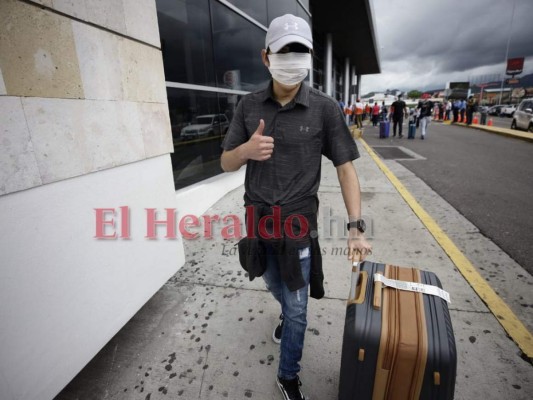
(197, 198)
(64, 294)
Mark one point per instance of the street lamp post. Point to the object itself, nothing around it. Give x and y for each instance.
(507, 50)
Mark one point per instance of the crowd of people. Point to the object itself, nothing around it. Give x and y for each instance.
(454, 110)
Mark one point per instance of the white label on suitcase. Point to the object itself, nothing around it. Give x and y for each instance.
(413, 287)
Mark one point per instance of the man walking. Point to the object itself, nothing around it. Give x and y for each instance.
(359, 109)
(456, 108)
(426, 109)
(398, 110)
(462, 110)
(281, 133)
(470, 109)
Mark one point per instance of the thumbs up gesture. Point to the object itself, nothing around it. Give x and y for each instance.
(259, 147)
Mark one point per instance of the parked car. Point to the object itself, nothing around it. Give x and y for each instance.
(523, 117)
(206, 125)
(495, 110)
(508, 110)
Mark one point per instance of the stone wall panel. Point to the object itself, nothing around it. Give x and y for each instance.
(38, 56)
(18, 165)
(73, 138)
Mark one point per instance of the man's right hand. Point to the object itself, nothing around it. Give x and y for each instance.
(259, 147)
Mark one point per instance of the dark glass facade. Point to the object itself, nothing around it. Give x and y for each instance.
(237, 47)
(212, 56)
(186, 41)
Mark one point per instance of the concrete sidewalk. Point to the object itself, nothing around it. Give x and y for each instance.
(207, 333)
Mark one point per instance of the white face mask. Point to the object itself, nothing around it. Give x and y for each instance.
(289, 68)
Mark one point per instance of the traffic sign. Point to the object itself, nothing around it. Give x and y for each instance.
(512, 81)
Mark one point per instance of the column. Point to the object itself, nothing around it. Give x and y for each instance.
(328, 65)
(347, 82)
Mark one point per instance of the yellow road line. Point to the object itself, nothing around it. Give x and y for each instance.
(510, 322)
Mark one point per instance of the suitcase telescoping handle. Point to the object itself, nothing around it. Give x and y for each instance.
(358, 298)
(356, 270)
(378, 286)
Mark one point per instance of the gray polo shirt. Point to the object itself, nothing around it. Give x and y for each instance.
(310, 126)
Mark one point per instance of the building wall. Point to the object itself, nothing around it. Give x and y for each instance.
(84, 125)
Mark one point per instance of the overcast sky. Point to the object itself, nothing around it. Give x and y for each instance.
(425, 43)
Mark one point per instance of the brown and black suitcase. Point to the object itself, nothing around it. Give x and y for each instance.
(398, 339)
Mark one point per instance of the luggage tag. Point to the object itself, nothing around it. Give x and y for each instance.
(412, 287)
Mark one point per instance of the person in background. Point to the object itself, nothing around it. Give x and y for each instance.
(426, 109)
(384, 111)
(448, 109)
(341, 104)
(398, 110)
(368, 111)
(455, 109)
(348, 111)
(359, 109)
(281, 133)
(462, 110)
(375, 114)
(470, 109)
(417, 117)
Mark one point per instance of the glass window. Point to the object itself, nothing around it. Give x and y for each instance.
(338, 93)
(277, 8)
(302, 14)
(185, 30)
(237, 45)
(256, 9)
(199, 122)
(318, 62)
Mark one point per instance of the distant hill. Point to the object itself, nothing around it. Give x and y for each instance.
(525, 81)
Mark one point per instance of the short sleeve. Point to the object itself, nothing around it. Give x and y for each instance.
(337, 142)
(236, 134)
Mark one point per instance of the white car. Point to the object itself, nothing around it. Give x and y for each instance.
(507, 111)
(206, 125)
(523, 117)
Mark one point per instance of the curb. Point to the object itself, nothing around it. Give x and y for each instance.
(528, 137)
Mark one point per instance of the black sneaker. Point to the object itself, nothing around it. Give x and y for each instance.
(290, 389)
(276, 335)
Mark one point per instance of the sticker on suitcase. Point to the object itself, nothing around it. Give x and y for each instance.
(413, 287)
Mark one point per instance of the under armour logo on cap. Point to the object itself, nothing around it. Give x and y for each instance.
(288, 29)
(293, 26)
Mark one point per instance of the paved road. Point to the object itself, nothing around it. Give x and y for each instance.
(501, 122)
(486, 177)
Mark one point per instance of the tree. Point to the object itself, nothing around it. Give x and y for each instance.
(414, 94)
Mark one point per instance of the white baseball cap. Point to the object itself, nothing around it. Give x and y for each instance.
(288, 29)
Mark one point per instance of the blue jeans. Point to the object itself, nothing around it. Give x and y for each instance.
(294, 309)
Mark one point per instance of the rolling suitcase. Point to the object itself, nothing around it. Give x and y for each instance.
(412, 131)
(384, 128)
(398, 344)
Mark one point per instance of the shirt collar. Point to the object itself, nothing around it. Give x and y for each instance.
(302, 97)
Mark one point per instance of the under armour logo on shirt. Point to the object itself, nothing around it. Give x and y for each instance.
(302, 128)
(293, 26)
